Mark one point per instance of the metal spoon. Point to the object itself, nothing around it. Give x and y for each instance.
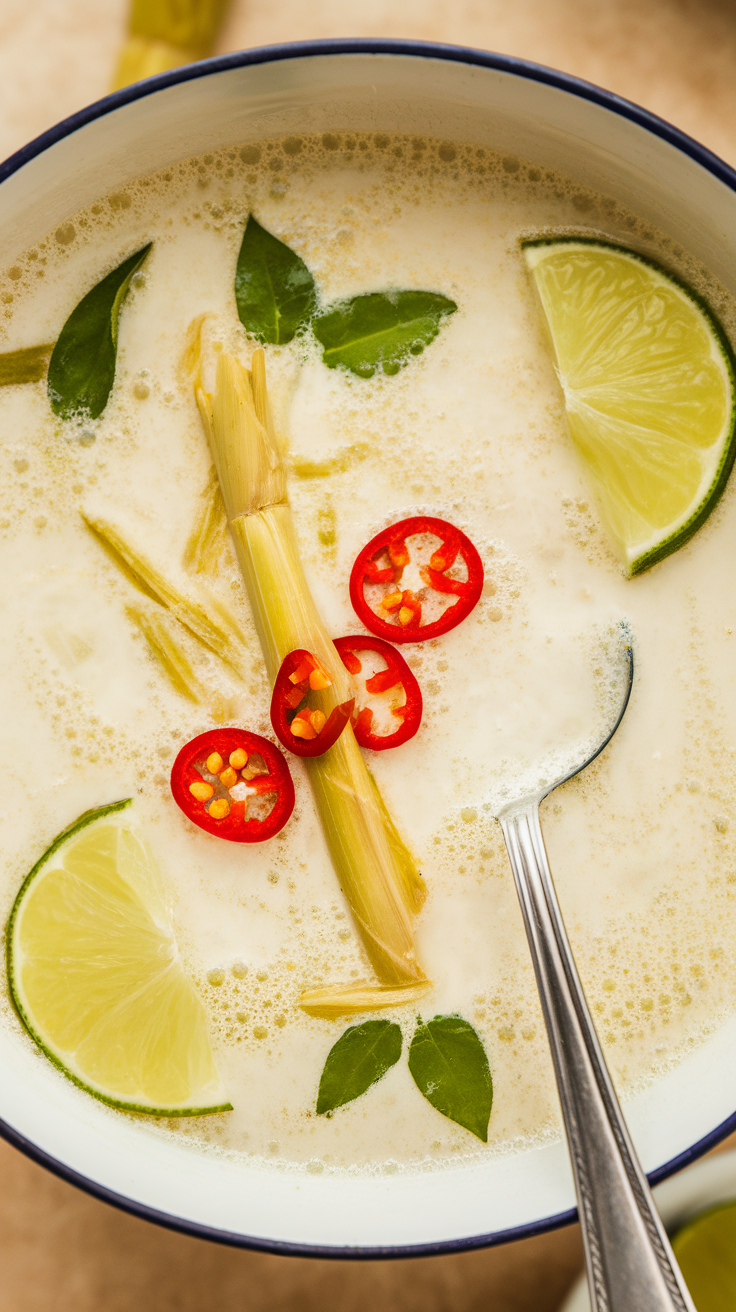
(629, 1261)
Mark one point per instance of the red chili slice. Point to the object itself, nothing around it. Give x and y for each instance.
(298, 720)
(217, 774)
(396, 675)
(409, 614)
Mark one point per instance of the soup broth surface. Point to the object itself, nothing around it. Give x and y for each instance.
(642, 844)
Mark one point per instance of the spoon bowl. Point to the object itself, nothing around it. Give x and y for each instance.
(618, 659)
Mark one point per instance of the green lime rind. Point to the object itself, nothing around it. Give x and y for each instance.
(725, 465)
(87, 818)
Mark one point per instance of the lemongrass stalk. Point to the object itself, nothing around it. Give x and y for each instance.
(414, 887)
(203, 551)
(375, 869)
(29, 365)
(188, 24)
(164, 34)
(152, 583)
(139, 57)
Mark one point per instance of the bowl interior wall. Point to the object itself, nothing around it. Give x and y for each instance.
(359, 92)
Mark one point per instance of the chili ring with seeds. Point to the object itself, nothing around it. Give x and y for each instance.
(223, 781)
(403, 597)
(300, 723)
(394, 677)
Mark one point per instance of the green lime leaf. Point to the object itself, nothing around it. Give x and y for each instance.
(361, 1056)
(449, 1066)
(380, 328)
(82, 366)
(26, 366)
(274, 289)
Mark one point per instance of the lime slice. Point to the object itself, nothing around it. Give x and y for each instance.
(96, 978)
(648, 379)
(706, 1252)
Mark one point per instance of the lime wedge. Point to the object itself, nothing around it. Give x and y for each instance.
(706, 1252)
(96, 978)
(648, 378)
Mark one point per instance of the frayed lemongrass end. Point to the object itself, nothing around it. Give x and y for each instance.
(236, 416)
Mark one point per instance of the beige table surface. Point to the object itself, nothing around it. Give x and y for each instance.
(60, 1250)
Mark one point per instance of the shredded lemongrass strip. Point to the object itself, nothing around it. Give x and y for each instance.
(158, 629)
(371, 862)
(144, 576)
(203, 552)
(337, 464)
(163, 635)
(331, 1003)
(30, 365)
(164, 34)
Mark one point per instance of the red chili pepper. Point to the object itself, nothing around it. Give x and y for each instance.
(396, 675)
(217, 774)
(400, 608)
(303, 728)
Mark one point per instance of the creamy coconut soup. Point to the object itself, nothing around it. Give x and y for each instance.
(472, 431)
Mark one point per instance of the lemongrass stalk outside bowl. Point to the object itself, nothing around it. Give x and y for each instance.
(506, 105)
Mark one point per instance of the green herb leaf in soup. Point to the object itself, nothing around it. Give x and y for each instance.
(361, 1056)
(380, 329)
(449, 1066)
(27, 366)
(274, 289)
(82, 366)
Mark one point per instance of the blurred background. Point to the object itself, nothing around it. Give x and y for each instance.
(59, 1249)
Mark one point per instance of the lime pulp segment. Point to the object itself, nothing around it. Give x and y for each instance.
(648, 380)
(96, 978)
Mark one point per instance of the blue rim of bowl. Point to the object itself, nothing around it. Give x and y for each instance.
(418, 50)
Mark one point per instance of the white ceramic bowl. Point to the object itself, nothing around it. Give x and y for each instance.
(679, 1200)
(441, 91)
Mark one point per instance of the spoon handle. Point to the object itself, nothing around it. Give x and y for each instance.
(629, 1261)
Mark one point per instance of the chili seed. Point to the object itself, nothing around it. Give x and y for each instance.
(301, 728)
(201, 790)
(319, 680)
